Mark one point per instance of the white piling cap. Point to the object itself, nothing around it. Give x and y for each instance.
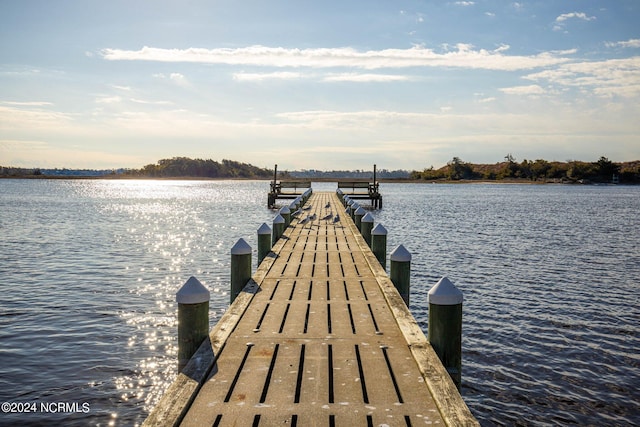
(367, 218)
(445, 293)
(241, 247)
(400, 254)
(192, 292)
(378, 230)
(284, 210)
(264, 229)
(360, 211)
(278, 219)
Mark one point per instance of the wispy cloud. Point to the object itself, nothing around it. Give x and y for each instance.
(27, 103)
(561, 19)
(613, 77)
(523, 90)
(631, 43)
(364, 78)
(577, 15)
(258, 77)
(465, 3)
(463, 56)
(177, 78)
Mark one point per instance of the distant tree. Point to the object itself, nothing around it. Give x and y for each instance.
(605, 169)
(459, 169)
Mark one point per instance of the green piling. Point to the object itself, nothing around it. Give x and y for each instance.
(264, 241)
(193, 319)
(240, 267)
(357, 216)
(278, 228)
(400, 271)
(366, 225)
(285, 212)
(379, 244)
(445, 326)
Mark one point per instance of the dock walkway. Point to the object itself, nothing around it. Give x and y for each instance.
(320, 337)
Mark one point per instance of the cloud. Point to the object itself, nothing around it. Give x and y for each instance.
(631, 43)
(561, 19)
(176, 78)
(464, 56)
(364, 78)
(27, 103)
(142, 101)
(523, 90)
(578, 15)
(465, 3)
(258, 77)
(108, 100)
(613, 77)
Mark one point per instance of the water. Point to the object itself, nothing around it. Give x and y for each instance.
(89, 271)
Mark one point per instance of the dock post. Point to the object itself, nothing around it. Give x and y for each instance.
(379, 244)
(400, 271)
(445, 326)
(240, 267)
(366, 224)
(193, 319)
(359, 213)
(264, 241)
(286, 214)
(354, 208)
(278, 228)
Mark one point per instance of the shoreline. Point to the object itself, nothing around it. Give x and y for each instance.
(521, 181)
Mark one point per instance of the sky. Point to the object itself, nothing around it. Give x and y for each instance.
(317, 85)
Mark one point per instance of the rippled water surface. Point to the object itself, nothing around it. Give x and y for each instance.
(550, 276)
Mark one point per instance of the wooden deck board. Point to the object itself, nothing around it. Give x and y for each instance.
(320, 342)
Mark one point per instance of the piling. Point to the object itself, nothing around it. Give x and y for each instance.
(354, 207)
(366, 225)
(240, 267)
(264, 241)
(445, 326)
(193, 319)
(359, 213)
(285, 212)
(379, 244)
(400, 271)
(278, 228)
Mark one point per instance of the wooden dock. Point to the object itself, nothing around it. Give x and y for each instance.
(319, 337)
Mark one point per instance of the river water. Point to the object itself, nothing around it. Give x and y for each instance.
(89, 270)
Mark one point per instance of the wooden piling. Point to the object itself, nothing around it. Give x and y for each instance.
(193, 319)
(278, 228)
(264, 241)
(285, 212)
(379, 244)
(445, 326)
(400, 271)
(366, 225)
(240, 267)
(358, 214)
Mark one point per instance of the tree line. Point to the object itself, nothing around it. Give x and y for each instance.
(199, 168)
(601, 171)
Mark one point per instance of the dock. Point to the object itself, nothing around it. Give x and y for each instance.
(318, 337)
